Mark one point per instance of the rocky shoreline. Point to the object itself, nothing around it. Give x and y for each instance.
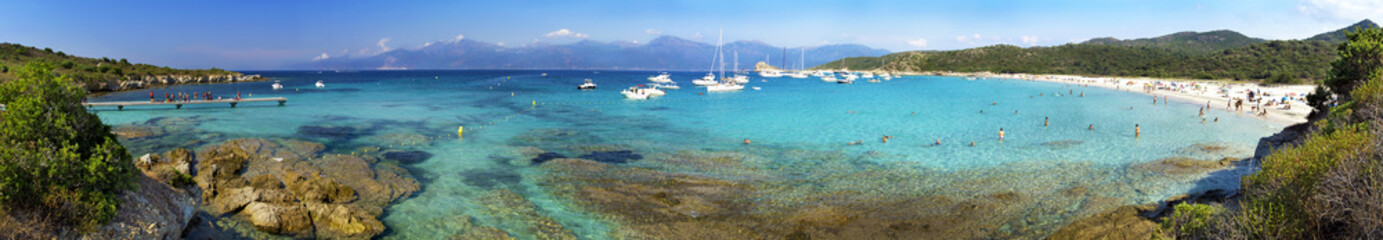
(140, 82)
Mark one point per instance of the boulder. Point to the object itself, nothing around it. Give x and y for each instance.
(1125, 222)
(154, 211)
(283, 219)
(407, 157)
(344, 221)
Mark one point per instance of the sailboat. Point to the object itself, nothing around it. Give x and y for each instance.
(802, 67)
(741, 79)
(726, 84)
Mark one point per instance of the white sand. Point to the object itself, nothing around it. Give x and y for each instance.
(1191, 91)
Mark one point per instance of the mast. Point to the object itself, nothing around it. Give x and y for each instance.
(720, 40)
(784, 62)
(803, 60)
(737, 62)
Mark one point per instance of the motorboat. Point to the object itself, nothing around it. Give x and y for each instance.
(671, 85)
(654, 91)
(276, 85)
(635, 93)
(770, 73)
(828, 78)
(709, 79)
(320, 84)
(797, 75)
(741, 79)
(757, 88)
(724, 87)
(586, 86)
(661, 78)
(867, 75)
(819, 74)
(846, 81)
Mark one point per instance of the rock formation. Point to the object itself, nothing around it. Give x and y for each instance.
(281, 187)
(138, 82)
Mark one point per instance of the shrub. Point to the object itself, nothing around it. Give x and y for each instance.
(58, 158)
(1190, 220)
(1359, 58)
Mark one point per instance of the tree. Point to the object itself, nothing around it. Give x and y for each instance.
(1359, 58)
(57, 158)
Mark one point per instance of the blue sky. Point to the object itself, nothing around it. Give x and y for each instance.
(270, 34)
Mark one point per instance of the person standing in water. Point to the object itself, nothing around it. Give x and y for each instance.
(1001, 134)
(1044, 122)
(1137, 131)
(1202, 112)
(1092, 127)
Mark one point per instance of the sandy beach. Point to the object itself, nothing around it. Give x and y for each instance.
(1217, 94)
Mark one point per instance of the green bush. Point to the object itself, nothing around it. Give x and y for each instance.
(1190, 220)
(57, 157)
(1359, 58)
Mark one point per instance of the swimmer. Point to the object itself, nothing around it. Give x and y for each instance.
(885, 139)
(972, 143)
(1015, 112)
(1137, 131)
(1001, 134)
(1044, 122)
(938, 142)
(1202, 121)
(1082, 94)
(1202, 113)
(858, 142)
(996, 104)
(914, 113)
(1217, 119)
(981, 110)
(852, 112)
(1092, 127)
(746, 141)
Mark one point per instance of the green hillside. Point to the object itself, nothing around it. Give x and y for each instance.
(86, 70)
(1193, 42)
(1338, 36)
(1209, 55)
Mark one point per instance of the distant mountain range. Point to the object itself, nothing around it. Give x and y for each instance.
(1220, 54)
(663, 53)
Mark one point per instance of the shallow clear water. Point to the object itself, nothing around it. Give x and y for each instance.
(500, 109)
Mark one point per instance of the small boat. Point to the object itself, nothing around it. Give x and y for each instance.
(757, 88)
(653, 91)
(670, 85)
(544, 75)
(867, 75)
(723, 87)
(586, 86)
(320, 84)
(798, 75)
(741, 79)
(819, 74)
(828, 78)
(635, 93)
(847, 80)
(770, 74)
(709, 79)
(276, 85)
(661, 78)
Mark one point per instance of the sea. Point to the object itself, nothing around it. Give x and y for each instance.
(1069, 151)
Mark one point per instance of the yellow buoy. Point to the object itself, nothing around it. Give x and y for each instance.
(459, 130)
(535, 102)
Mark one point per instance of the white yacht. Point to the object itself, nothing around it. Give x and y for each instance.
(867, 75)
(587, 86)
(828, 78)
(667, 86)
(661, 78)
(770, 73)
(798, 75)
(276, 85)
(741, 79)
(635, 93)
(653, 91)
(709, 79)
(819, 74)
(320, 84)
(846, 81)
(722, 87)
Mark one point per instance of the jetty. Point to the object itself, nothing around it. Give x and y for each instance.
(178, 104)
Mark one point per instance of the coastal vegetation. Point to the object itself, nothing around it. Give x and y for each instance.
(83, 70)
(1329, 184)
(1211, 55)
(59, 165)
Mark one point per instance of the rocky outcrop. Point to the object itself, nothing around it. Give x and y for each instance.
(761, 66)
(156, 210)
(138, 82)
(1125, 222)
(281, 187)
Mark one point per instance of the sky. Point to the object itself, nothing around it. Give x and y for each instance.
(251, 35)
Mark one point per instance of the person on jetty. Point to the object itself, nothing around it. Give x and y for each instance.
(151, 96)
(1001, 134)
(1137, 131)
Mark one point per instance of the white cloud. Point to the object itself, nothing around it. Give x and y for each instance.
(697, 36)
(963, 39)
(382, 47)
(920, 42)
(324, 56)
(565, 33)
(501, 44)
(1029, 40)
(1351, 10)
(651, 31)
(459, 37)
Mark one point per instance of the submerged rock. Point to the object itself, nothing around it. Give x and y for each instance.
(489, 178)
(407, 157)
(622, 156)
(331, 133)
(1062, 144)
(1179, 166)
(544, 157)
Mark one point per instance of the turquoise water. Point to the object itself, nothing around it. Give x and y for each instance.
(503, 111)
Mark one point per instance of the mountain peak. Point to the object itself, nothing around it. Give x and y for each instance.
(1339, 35)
